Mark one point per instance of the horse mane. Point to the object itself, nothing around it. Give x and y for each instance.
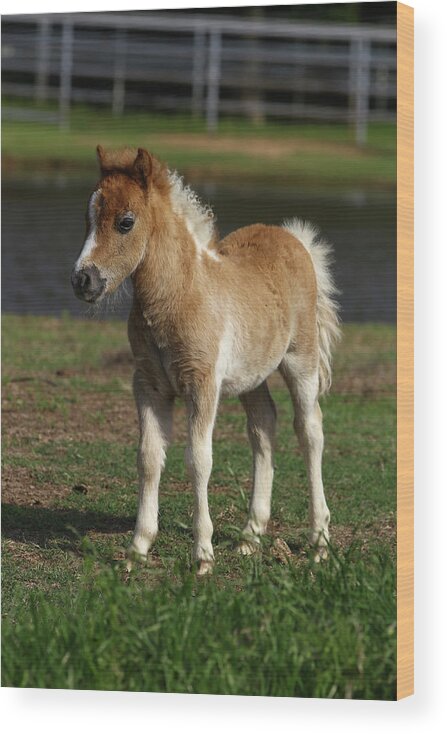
(198, 217)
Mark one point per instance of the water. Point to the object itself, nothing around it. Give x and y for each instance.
(43, 229)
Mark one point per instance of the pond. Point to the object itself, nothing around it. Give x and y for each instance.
(43, 229)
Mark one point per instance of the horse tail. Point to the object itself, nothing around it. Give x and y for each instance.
(327, 307)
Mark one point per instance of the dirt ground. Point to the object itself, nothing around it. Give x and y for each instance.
(266, 147)
(23, 424)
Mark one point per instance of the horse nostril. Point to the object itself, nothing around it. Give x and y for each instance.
(84, 280)
(88, 284)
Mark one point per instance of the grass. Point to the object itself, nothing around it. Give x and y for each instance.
(273, 625)
(296, 632)
(324, 154)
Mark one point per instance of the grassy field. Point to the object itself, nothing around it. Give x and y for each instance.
(273, 625)
(324, 154)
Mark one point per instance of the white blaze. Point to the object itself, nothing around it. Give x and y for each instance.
(90, 242)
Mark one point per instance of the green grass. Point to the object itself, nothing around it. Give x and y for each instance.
(266, 626)
(64, 344)
(322, 154)
(325, 632)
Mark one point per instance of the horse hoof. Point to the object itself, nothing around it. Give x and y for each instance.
(133, 559)
(321, 554)
(205, 568)
(248, 547)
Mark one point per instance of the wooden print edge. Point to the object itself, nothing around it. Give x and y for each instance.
(405, 352)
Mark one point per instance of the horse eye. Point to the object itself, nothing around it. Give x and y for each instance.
(125, 224)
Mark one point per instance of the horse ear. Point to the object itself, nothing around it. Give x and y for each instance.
(142, 167)
(100, 153)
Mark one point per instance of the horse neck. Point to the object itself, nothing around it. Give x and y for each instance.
(167, 276)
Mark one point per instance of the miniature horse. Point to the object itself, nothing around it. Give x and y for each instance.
(211, 318)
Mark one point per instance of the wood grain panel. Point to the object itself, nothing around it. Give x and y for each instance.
(405, 241)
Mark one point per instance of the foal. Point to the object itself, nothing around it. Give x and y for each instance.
(211, 318)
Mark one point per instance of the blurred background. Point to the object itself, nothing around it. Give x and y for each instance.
(269, 113)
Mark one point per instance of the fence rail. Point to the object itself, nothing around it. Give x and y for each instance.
(208, 65)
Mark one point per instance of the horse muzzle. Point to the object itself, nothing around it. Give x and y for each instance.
(88, 284)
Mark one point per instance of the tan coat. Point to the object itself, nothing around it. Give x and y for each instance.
(210, 318)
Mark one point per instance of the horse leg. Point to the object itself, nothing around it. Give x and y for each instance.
(155, 412)
(303, 385)
(261, 421)
(202, 408)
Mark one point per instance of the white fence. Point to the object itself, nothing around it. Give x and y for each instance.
(208, 65)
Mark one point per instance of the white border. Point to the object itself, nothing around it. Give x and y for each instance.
(53, 711)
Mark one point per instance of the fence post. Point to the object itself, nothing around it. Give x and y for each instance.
(198, 71)
(43, 58)
(381, 90)
(65, 74)
(212, 102)
(361, 74)
(119, 74)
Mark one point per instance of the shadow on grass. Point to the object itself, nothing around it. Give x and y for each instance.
(39, 525)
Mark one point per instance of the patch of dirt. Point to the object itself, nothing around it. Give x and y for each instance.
(342, 537)
(20, 488)
(47, 408)
(32, 554)
(112, 416)
(265, 147)
(118, 358)
(381, 380)
(384, 531)
(368, 381)
(27, 552)
(69, 416)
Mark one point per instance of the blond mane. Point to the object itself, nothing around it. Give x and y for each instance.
(198, 217)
